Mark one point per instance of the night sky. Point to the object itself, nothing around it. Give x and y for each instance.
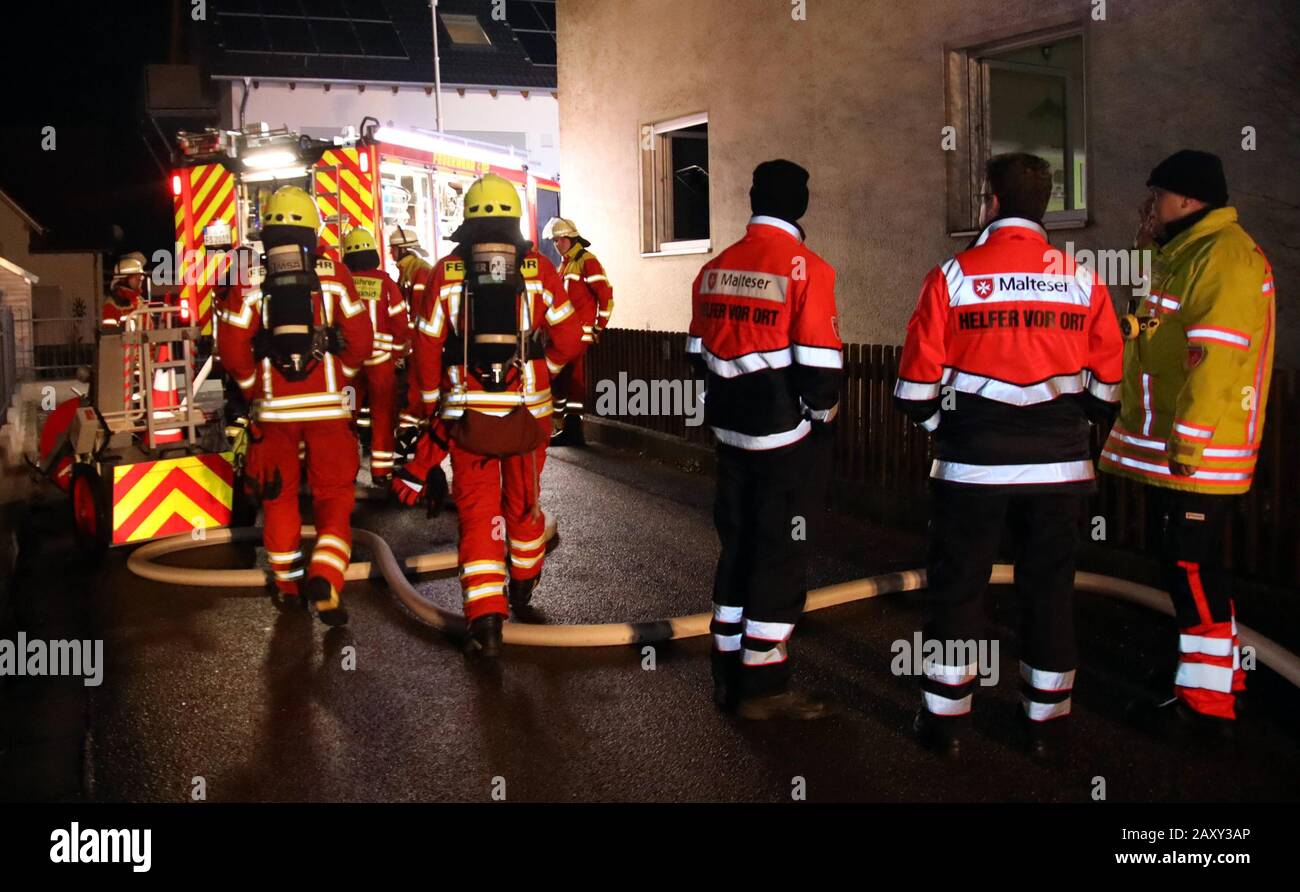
(79, 67)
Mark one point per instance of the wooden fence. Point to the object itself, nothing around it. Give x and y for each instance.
(877, 449)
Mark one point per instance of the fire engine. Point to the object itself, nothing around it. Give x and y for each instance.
(143, 453)
(376, 177)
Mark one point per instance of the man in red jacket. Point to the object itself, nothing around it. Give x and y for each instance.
(1012, 350)
(376, 386)
(298, 339)
(592, 297)
(496, 327)
(126, 293)
(763, 329)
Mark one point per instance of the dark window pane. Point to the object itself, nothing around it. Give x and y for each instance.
(546, 12)
(690, 165)
(539, 47)
(335, 38)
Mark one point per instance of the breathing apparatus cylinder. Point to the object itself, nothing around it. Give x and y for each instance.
(290, 339)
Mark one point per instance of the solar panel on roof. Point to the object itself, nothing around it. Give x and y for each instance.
(334, 38)
(239, 6)
(281, 7)
(539, 47)
(325, 8)
(290, 35)
(380, 40)
(243, 34)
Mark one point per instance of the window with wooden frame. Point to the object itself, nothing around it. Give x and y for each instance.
(1021, 94)
(675, 186)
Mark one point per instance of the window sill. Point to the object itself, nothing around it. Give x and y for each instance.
(679, 252)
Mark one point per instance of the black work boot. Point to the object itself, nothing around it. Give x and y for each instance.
(787, 705)
(324, 602)
(573, 431)
(938, 734)
(1044, 741)
(521, 591)
(485, 636)
(1175, 721)
(726, 679)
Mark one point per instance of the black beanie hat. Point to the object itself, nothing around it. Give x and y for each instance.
(780, 190)
(1194, 174)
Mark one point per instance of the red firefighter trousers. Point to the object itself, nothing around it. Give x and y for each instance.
(377, 390)
(332, 462)
(502, 530)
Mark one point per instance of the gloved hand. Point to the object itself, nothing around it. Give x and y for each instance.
(336, 343)
(238, 435)
(407, 487)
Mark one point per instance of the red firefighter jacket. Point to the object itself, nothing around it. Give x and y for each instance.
(763, 325)
(124, 300)
(588, 289)
(541, 305)
(387, 311)
(320, 395)
(1011, 351)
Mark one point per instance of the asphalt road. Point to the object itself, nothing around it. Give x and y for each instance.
(212, 684)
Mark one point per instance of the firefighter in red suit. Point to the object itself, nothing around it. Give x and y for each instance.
(497, 327)
(126, 291)
(298, 340)
(1012, 350)
(376, 386)
(763, 332)
(592, 297)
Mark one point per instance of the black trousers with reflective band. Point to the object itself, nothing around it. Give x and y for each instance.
(966, 528)
(767, 512)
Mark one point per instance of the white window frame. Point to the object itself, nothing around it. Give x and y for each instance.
(653, 186)
(969, 110)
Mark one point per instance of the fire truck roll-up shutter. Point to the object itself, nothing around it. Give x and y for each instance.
(345, 192)
(181, 495)
(207, 195)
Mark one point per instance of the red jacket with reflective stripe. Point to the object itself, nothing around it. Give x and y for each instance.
(1011, 350)
(447, 390)
(320, 395)
(763, 325)
(387, 310)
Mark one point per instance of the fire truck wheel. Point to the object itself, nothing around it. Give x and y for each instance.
(91, 522)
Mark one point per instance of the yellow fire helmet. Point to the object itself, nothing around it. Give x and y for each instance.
(492, 196)
(291, 206)
(357, 240)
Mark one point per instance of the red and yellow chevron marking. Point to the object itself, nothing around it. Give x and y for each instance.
(161, 498)
(207, 194)
(345, 191)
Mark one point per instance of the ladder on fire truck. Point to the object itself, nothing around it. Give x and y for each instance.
(157, 366)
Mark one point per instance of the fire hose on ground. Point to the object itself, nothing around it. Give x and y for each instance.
(143, 562)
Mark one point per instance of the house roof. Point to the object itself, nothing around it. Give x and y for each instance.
(381, 41)
(21, 212)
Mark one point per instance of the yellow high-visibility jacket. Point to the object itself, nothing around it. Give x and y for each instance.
(1196, 377)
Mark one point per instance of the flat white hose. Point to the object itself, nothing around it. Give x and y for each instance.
(142, 563)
